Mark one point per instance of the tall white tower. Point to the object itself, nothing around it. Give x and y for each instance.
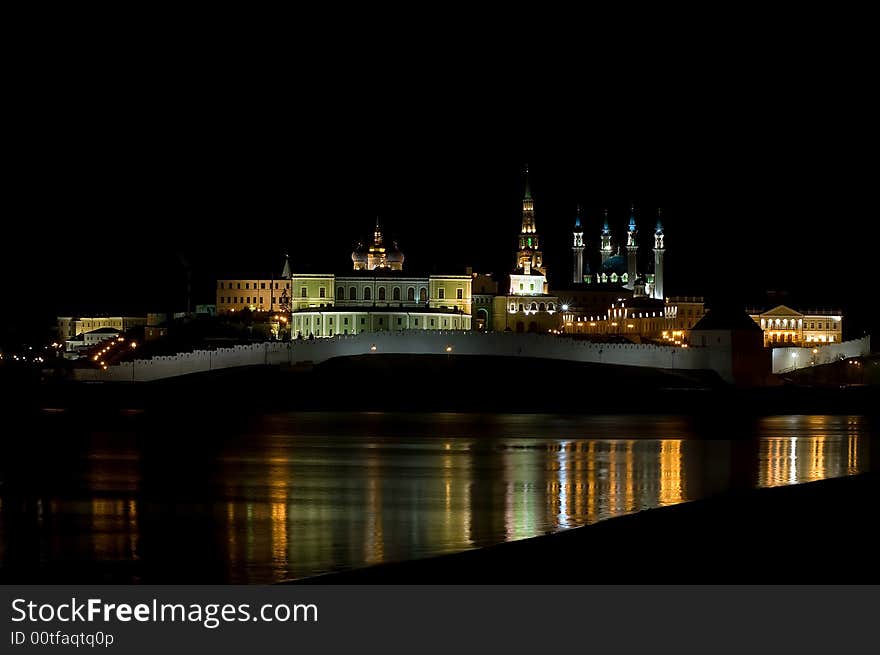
(632, 249)
(605, 241)
(577, 249)
(659, 250)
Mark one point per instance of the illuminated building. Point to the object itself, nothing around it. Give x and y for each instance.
(624, 298)
(71, 326)
(81, 333)
(616, 270)
(784, 326)
(376, 296)
(484, 290)
(528, 305)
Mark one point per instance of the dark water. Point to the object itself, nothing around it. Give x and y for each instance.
(293, 495)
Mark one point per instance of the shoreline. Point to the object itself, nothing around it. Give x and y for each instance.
(455, 384)
(812, 533)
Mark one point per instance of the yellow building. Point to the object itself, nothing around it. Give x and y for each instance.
(71, 326)
(638, 318)
(784, 326)
(376, 296)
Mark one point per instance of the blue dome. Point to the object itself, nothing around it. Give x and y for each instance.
(615, 264)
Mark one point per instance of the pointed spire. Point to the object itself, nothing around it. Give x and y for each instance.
(659, 228)
(577, 218)
(377, 234)
(528, 188)
(632, 217)
(286, 272)
(605, 229)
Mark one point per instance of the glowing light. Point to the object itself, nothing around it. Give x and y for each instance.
(373, 348)
(449, 349)
(565, 308)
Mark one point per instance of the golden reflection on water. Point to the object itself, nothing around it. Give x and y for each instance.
(288, 506)
(826, 452)
(419, 503)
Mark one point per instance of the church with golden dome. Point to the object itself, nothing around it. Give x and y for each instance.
(376, 295)
(377, 255)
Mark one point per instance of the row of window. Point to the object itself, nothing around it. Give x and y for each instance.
(822, 325)
(789, 338)
(534, 307)
(380, 321)
(247, 285)
(382, 293)
(243, 300)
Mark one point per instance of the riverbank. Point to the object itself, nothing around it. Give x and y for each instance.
(444, 383)
(817, 533)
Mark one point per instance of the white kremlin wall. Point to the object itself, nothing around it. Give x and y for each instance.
(416, 342)
(789, 359)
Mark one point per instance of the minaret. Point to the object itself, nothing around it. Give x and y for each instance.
(659, 250)
(577, 249)
(632, 249)
(529, 255)
(605, 248)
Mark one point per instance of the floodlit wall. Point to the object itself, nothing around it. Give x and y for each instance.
(504, 344)
(790, 359)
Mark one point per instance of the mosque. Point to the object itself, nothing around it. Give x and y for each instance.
(615, 292)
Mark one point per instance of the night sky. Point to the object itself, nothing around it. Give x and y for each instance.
(120, 178)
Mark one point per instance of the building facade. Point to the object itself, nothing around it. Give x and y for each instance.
(71, 326)
(376, 296)
(638, 318)
(784, 326)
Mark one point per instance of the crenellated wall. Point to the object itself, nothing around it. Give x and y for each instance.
(504, 344)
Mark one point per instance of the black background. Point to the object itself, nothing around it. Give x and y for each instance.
(126, 161)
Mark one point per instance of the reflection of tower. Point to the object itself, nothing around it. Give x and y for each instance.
(671, 490)
(605, 247)
(632, 250)
(486, 502)
(577, 249)
(374, 536)
(529, 255)
(659, 250)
